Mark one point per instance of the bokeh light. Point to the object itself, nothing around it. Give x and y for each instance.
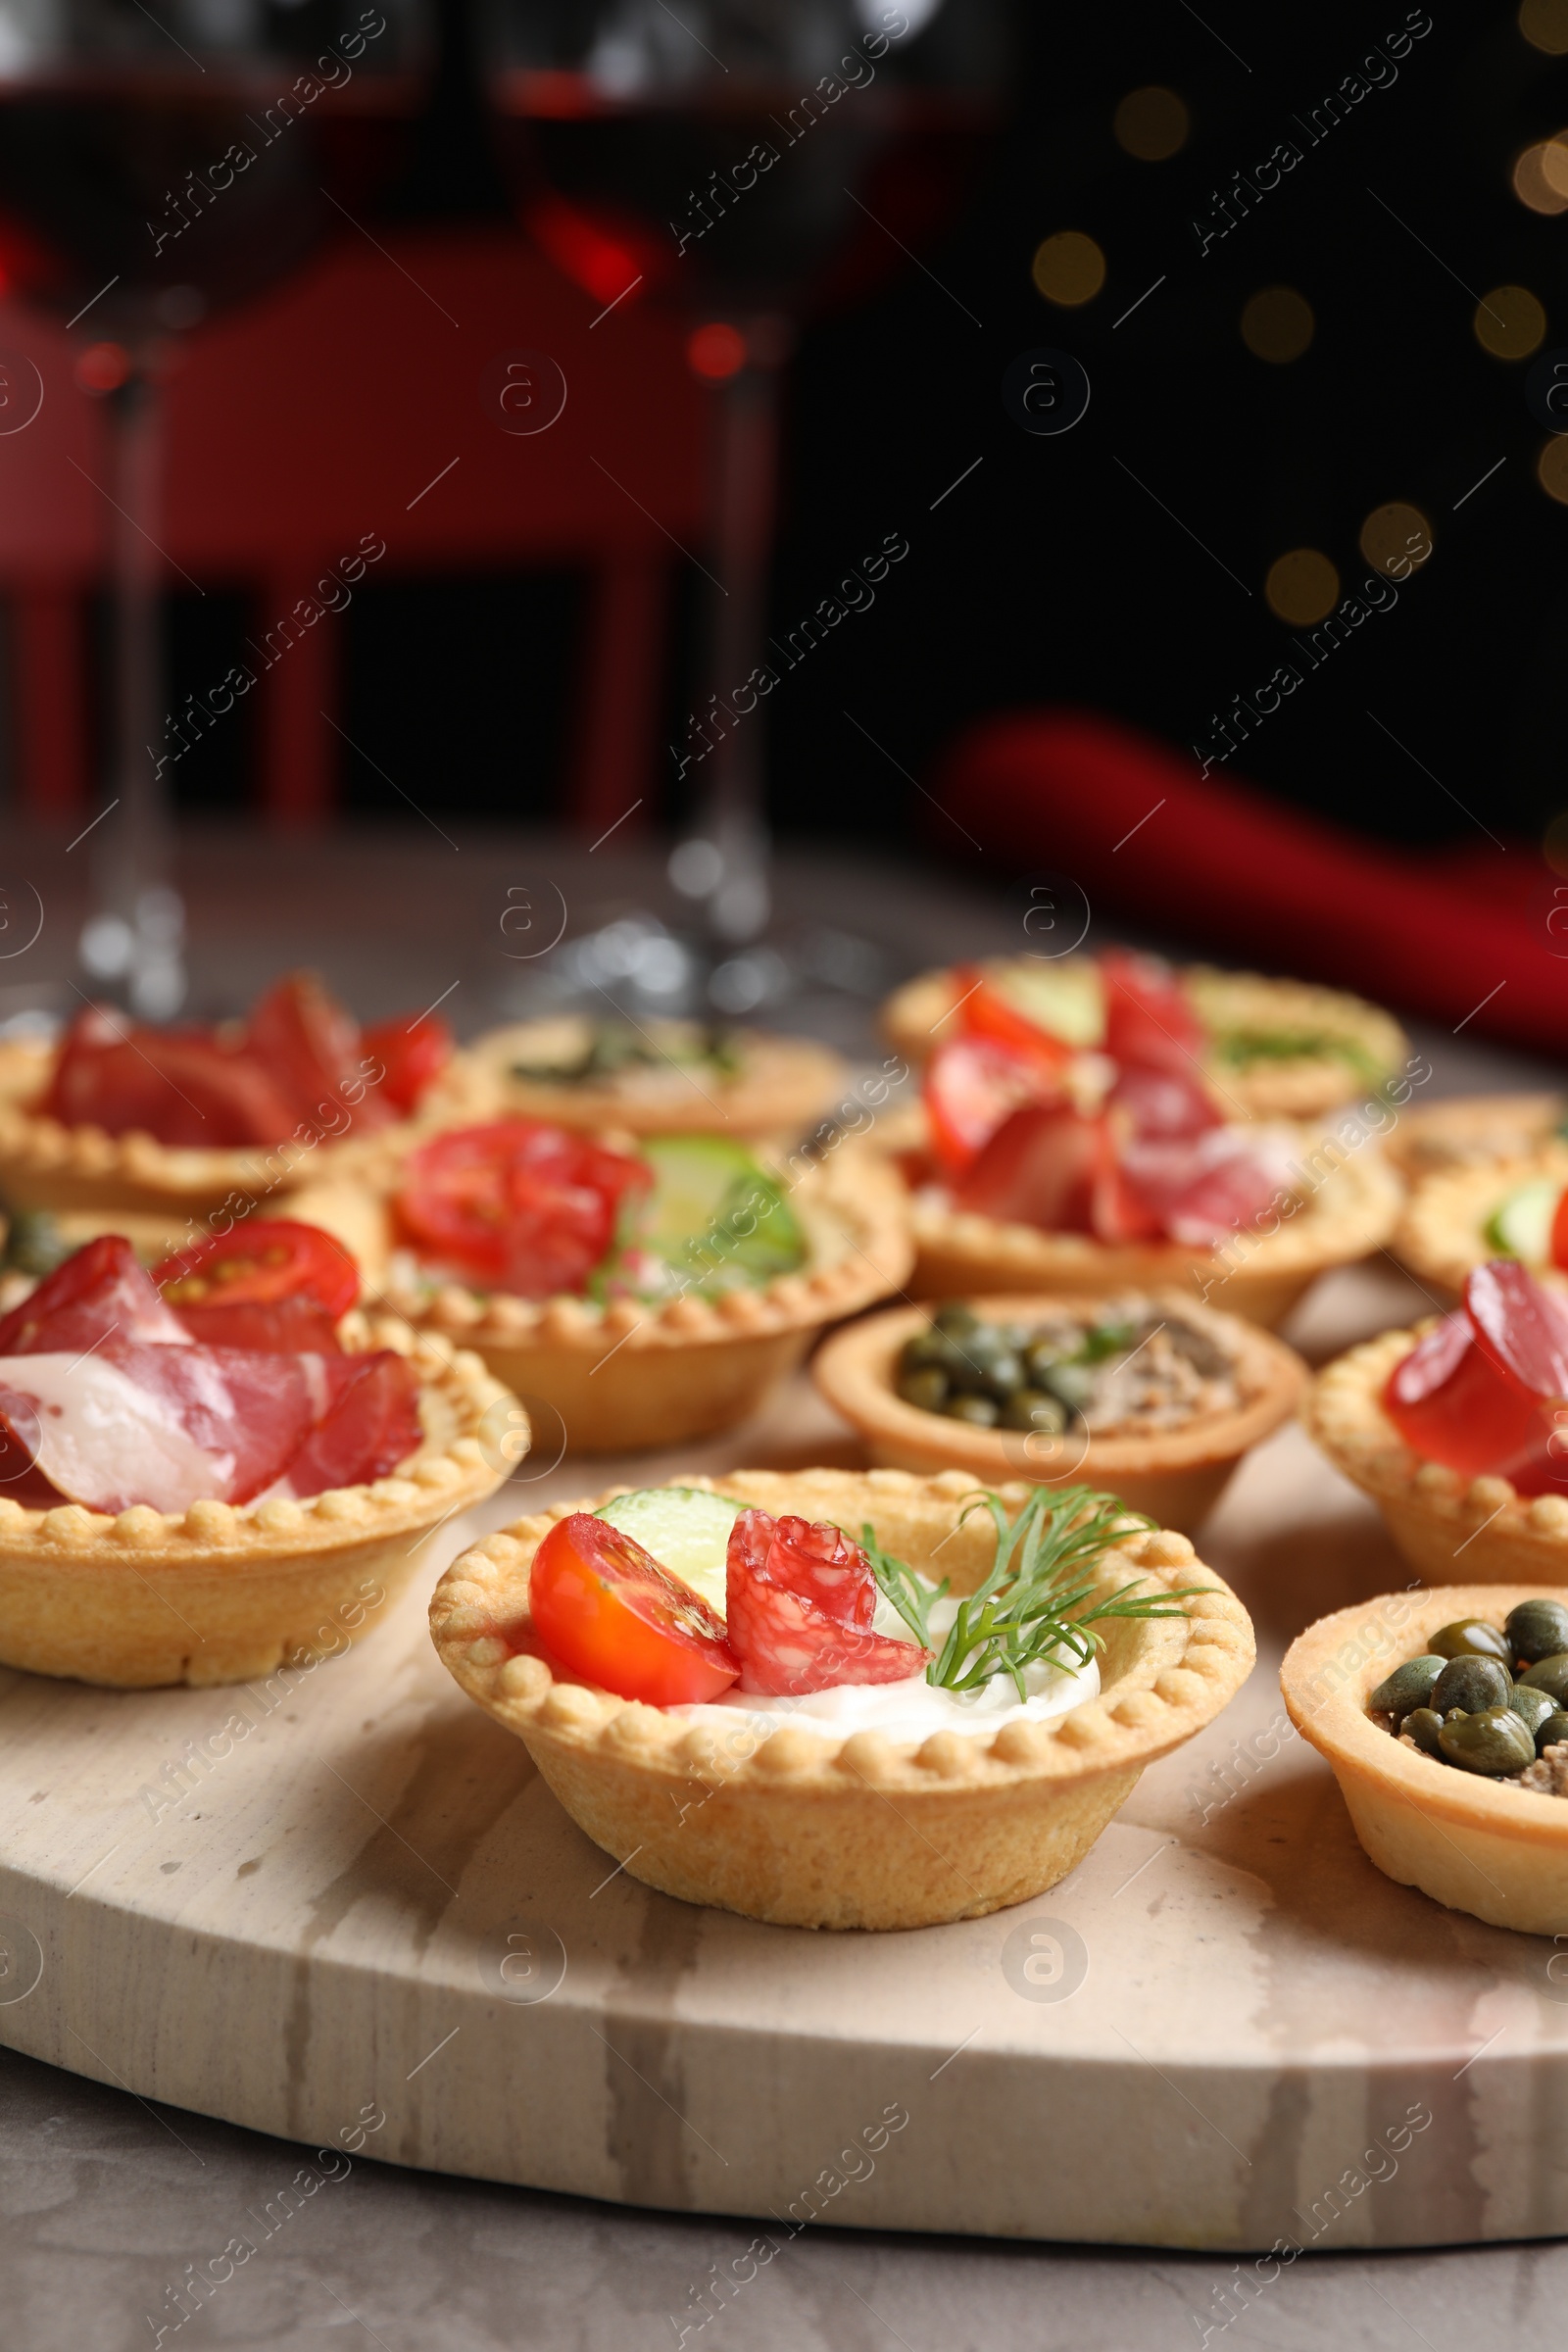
(1069, 269)
(103, 367)
(1545, 25)
(1510, 323)
(1533, 182)
(1554, 163)
(1301, 587)
(1396, 538)
(1151, 124)
(715, 351)
(1551, 469)
(1277, 325)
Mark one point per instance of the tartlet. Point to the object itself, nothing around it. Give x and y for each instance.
(777, 1086)
(1442, 1233)
(1472, 1131)
(641, 1373)
(804, 1830)
(1435, 1515)
(1498, 1852)
(223, 1593)
(1234, 1006)
(1349, 1212)
(1174, 1475)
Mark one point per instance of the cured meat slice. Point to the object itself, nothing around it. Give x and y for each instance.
(1040, 1168)
(179, 1085)
(1150, 1025)
(274, 1325)
(308, 1046)
(816, 1562)
(371, 1426)
(789, 1642)
(99, 1290)
(1520, 1328)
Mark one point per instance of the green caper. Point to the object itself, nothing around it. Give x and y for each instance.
(1532, 1706)
(1489, 1740)
(1537, 1629)
(979, 1411)
(1472, 1682)
(1551, 1675)
(955, 1319)
(1408, 1685)
(1470, 1637)
(1032, 1408)
(925, 1388)
(1552, 1731)
(34, 1242)
(1040, 1356)
(1072, 1383)
(928, 1346)
(1423, 1724)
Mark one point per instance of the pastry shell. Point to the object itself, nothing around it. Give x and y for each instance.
(1469, 1131)
(808, 1831)
(1350, 1211)
(227, 1594)
(644, 1373)
(1172, 1475)
(1436, 1517)
(784, 1086)
(1303, 1087)
(1496, 1851)
(1442, 1235)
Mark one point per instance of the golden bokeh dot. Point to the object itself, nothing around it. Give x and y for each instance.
(1554, 163)
(1545, 25)
(1277, 325)
(1509, 323)
(1151, 124)
(1395, 539)
(1069, 269)
(1551, 469)
(1533, 182)
(1301, 586)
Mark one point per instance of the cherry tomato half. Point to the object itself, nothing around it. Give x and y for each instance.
(516, 1205)
(984, 1012)
(413, 1054)
(972, 1085)
(261, 1264)
(609, 1612)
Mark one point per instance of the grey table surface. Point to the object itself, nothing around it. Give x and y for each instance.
(106, 2200)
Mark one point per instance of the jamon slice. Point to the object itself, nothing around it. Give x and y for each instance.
(99, 1292)
(1203, 1190)
(788, 1642)
(1521, 1328)
(1040, 1168)
(1150, 1025)
(371, 1425)
(179, 1085)
(309, 1048)
(274, 1325)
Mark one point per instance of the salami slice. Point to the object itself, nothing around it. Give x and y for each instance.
(371, 1424)
(99, 1290)
(796, 1610)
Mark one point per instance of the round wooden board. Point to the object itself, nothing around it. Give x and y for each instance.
(368, 1926)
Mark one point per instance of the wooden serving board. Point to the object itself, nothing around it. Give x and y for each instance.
(363, 1922)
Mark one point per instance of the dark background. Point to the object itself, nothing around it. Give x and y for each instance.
(1049, 575)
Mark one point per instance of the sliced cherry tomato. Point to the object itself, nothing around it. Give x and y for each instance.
(971, 1086)
(259, 1264)
(1041, 1168)
(1149, 1024)
(1558, 1251)
(984, 1012)
(180, 1086)
(610, 1612)
(1519, 1327)
(412, 1053)
(516, 1205)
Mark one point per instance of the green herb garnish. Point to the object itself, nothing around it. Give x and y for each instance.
(611, 1048)
(1030, 1606)
(1238, 1048)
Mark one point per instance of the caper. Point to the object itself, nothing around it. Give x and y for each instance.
(1032, 1408)
(979, 1411)
(1470, 1637)
(1041, 1356)
(35, 1243)
(1473, 1683)
(972, 1363)
(1072, 1383)
(1423, 1724)
(1552, 1731)
(955, 1319)
(928, 1346)
(925, 1388)
(1532, 1706)
(1489, 1739)
(1408, 1685)
(1537, 1629)
(1551, 1675)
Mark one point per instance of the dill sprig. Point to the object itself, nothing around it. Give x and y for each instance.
(1030, 1606)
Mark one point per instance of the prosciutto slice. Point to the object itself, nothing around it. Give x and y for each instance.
(99, 1292)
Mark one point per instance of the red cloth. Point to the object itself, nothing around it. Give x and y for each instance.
(1202, 858)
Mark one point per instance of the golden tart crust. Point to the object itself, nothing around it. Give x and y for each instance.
(1442, 1235)
(223, 1593)
(1494, 1851)
(1469, 1131)
(642, 1373)
(1351, 1211)
(807, 1831)
(1437, 1519)
(1171, 1475)
(45, 1165)
(1303, 1088)
(784, 1086)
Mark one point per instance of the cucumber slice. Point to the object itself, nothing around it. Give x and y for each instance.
(1521, 1226)
(1068, 999)
(685, 1528)
(716, 1215)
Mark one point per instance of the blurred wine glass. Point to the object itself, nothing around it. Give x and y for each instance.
(161, 160)
(752, 162)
